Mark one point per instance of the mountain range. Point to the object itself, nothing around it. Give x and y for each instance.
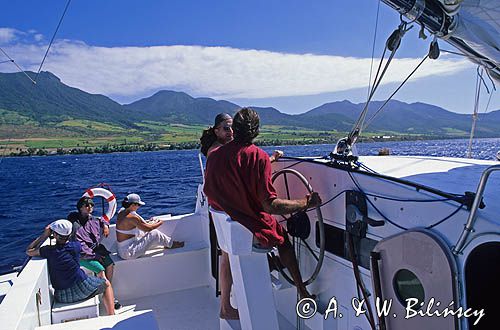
(51, 102)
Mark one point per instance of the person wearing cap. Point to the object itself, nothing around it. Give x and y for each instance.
(129, 224)
(222, 133)
(217, 135)
(87, 230)
(69, 281)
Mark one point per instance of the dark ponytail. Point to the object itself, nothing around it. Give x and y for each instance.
(126, 204)
(208, 138)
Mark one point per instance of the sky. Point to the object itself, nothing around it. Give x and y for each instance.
(292, 55)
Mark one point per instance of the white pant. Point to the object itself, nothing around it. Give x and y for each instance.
(136, 246)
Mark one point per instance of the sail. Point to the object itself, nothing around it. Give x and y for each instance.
(472, 26)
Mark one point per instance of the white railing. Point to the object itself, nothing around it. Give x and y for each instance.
(28, 304)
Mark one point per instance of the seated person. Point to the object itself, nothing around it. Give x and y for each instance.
(87, 230)
(129, 225)
(70, 283)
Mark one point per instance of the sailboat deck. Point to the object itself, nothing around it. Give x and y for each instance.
(190, 309)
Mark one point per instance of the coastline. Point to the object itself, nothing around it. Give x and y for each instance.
(116, 148)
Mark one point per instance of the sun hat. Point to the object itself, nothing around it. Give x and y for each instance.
(133, 199)
(63, 227)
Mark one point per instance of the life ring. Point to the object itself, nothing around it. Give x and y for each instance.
(108, 196)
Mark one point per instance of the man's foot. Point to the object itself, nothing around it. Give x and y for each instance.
(175, 245)
(230, 314)
(117, 304)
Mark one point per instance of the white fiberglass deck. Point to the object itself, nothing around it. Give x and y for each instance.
(190, 309)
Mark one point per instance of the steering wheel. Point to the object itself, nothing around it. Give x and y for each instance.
(300, 242)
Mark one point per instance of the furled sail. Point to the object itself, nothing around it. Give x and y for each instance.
(472, 26)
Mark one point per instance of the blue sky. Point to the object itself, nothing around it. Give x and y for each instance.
(292, 55)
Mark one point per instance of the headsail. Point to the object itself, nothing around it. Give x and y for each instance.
(472, 26)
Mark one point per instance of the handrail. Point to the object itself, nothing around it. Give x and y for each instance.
(469, 226)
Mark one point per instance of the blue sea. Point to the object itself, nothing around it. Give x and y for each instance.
(38, 190)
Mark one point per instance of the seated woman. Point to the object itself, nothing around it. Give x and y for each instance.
(128, 226)
(70, 283)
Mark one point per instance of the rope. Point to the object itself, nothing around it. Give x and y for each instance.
(392, 222)
(376, 81)
(373, 49)
(15, 241)
(366, 168)
(20, 69)
(394, 93)
(474, 115)
(6, 61)
(52, 40)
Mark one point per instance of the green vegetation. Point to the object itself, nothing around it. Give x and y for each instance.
(93, 137)
(90, 125)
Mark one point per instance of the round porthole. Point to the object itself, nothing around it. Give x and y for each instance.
(407, 285)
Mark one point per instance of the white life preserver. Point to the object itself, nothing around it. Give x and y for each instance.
(108, 196)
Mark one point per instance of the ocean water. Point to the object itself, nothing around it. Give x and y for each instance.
(38, 190)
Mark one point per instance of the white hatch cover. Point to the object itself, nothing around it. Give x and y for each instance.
(415, 265)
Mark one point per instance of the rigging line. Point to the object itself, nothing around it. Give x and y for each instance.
(392, 222)
(6, 61)
(362, 127)
(410, 200)
(376, 209)
(17, 65)
(474, 115)
(482, 79)
(373, 49)
(289, 166)
(480, 59)
(488, 104)
(446, 218)
(394, 93)
(52, 40)
(363, 113)
(363, 166)
(16, 241)
(328, 201)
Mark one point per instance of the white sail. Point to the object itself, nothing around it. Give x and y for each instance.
(477, 24)
(472, 26)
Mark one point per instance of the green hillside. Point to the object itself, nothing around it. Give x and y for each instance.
(51, 115)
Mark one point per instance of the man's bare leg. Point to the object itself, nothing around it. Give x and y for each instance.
(289, 260)
(226, 281)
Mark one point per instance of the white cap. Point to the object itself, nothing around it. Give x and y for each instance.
(63, 227)
(134, 198)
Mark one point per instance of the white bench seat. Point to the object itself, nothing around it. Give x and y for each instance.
(158, 271)
(65, 312)
(164, 270)
(128, 321)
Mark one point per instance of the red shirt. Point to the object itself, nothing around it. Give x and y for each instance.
(238, 181)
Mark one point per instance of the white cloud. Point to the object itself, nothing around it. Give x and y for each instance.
(8, 35)
(38, 37)
(219, 72)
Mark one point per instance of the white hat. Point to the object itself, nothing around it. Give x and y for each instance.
(63, 227)
(134, 199)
